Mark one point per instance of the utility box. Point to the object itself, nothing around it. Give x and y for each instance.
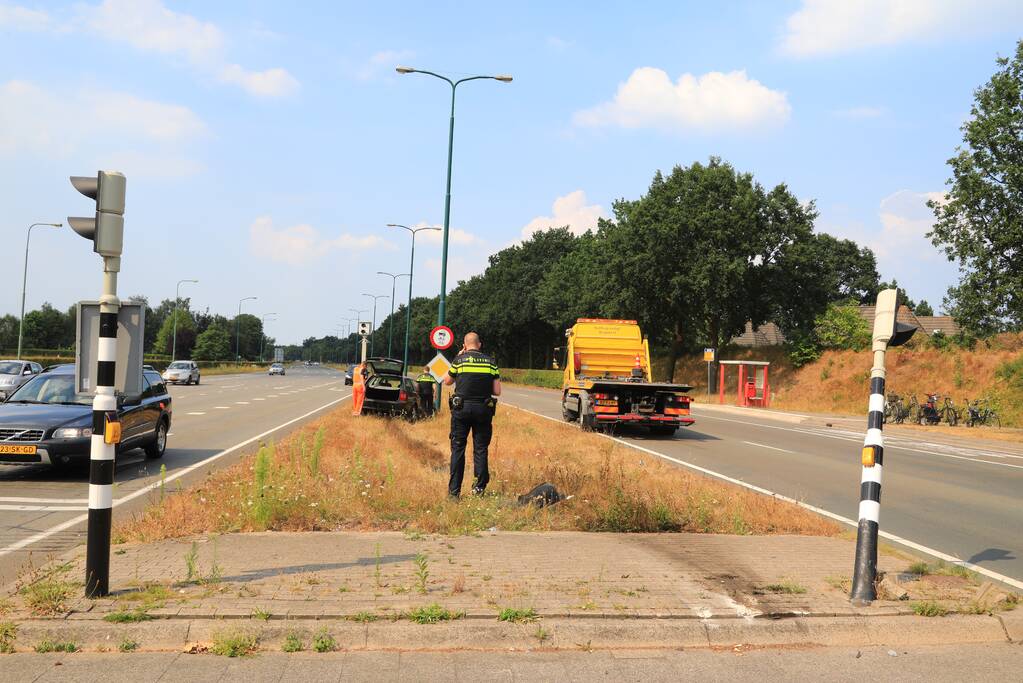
(131, 326)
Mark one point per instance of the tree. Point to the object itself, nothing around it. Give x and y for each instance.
(923, 308)
(48, 328)
(213, 344)
(249, 330)
(9, 332)
(904, 299)
(841, 327)
(185, 334)
(980, 221)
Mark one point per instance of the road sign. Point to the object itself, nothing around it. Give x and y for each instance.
(278, 354)
(708, 354)
(439, 366)
(131, 321)
(441, 337)
(365, 328)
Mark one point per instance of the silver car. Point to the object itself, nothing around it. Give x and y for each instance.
(14, 373)
(182, 372)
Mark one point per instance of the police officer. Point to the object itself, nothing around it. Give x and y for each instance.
(424, 390)
(477, 384)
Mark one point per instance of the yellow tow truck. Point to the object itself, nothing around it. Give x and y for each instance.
(608, 381)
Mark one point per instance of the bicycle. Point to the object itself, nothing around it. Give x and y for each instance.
(980, 413)
(913, 411)
(895, 409)
(949, 413)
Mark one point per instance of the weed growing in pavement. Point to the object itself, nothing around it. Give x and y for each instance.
(260, 613)
(192, 563)
(376, 565)
(928, 608)
(377, 474)
(48, 596)
(5, 606)
(45, 646)
(433, 614)
(541, 635)
(323, 641)
(127, 616)
(787, 587)
(362, 617)
(148, 595)
(234, 643)
(458, 585)
(8, 635)
(128, 644)
(292, 643)
(422, 572)
(519, 616)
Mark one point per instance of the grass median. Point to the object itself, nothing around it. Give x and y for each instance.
(365, 473)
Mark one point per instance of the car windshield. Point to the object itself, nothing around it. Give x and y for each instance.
(54, 389)
(178, 366)
(10, 368)
(385, 367)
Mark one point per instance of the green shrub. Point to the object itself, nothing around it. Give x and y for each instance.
(127, 617)
(45, 646)
(128, 644)
(929, 608)
(323, 641)
(519, 616)
(234, 643)
(8, 634)
(292, 643)
(432, 614)
(841, 327)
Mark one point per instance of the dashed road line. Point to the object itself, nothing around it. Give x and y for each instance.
(195, 413)
(773, 448)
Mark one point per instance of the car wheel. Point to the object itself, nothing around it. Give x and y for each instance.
(197, 378)
(156, 447)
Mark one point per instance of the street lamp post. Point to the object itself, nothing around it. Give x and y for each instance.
(238, 328)
(390, 318)
(24, 281)
(447, 196)
(350, 321)
(262, 334)
(373, 325)
(177, 297)
(411, 270)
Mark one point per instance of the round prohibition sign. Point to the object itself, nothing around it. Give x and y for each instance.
(441, 337)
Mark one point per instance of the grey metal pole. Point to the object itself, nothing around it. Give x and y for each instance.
(262, 334)
(177, 296)
(24, 282)
(411, 271)
(238, 329)
(373, 327)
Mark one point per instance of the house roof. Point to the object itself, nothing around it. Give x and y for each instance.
(767, 334)
(928, 323)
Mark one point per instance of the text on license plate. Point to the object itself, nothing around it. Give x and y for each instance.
(12, 449)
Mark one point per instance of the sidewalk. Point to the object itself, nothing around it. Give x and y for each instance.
(610, 590)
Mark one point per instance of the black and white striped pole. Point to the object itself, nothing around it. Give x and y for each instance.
(106, 230)
(887, 332)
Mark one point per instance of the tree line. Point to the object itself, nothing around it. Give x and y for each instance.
(201, 335)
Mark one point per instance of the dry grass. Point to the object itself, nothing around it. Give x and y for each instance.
(377, 474)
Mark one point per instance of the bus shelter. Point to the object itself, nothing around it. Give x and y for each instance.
(753, 386)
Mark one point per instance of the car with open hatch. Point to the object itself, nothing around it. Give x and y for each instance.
(388, 390)
(182, 372)
(46, 422)
(14, 373)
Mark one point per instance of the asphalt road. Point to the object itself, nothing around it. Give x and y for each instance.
(955, 495)
(214, 423)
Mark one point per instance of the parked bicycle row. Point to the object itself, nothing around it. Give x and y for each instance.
(937, 409)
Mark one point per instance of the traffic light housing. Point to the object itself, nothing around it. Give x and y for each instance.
(106, 229)
(888, 331)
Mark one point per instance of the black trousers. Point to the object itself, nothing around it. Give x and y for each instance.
(473, 417)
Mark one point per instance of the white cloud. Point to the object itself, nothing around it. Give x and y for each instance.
(713, 101)
(860, 113)
(905, 222)
(381, 62)
(557, 43)
(571, 210)
(455, 235)
(149, 26)
(828, 27)
(38, 121)
(301, 244)
(23, 18)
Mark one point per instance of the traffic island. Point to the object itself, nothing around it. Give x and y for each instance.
(341, 538)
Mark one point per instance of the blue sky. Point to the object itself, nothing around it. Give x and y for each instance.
(267, 144)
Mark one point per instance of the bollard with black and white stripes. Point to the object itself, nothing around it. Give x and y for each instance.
(887, 332)
(106, 230)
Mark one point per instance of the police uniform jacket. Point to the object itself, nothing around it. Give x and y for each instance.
(474, 373)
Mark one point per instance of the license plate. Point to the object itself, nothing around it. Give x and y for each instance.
(12, 449)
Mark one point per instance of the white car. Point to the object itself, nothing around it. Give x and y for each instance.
(277, 369)
(14, 373)
(182, 372)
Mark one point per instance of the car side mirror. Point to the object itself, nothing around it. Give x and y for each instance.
(27, 371)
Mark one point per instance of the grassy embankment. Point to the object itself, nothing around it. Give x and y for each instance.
(347, 473)
(837, 383)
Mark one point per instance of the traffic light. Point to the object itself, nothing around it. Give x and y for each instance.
(888, 331)
(106, 230)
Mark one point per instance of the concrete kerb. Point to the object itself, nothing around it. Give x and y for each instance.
(554, 633)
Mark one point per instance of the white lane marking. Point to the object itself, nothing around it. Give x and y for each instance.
(763, 445)
(41, 508)
(170, 433)
(271, 395)
(242, 403)
(51, 501)
(195, 413)
(813, 508)
(42, 535)
(230, 386)
(222, 407)
(259, 399)
(888, 447)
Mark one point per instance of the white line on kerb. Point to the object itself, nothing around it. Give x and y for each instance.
(813, 508)
(35, 538)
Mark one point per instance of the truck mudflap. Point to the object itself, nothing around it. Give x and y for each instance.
(645, 420)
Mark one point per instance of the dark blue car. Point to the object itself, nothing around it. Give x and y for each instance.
(46, 422)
